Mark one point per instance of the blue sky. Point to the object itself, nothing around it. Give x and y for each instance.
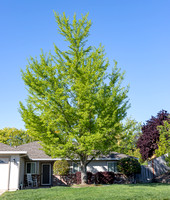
(135, 33)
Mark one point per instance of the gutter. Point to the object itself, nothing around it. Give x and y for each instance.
(54, 159)
(13, 152)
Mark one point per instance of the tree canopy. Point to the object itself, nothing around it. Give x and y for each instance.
(127, 140)
(149, 140)
(164, 141)
(14, 136)
(74, 107)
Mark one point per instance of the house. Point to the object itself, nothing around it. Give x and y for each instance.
(16, 163)
(10, 167)
(101, 163)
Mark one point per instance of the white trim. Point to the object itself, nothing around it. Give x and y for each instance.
(108, 159)
(13, 152)
(30, 171)
(42, 173)
(54, 159)
(44, 159)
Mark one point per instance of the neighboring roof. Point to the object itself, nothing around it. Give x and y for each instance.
(6, 149)
(113, 156)
(34, 151)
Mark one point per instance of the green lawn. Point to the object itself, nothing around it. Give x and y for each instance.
(119, 192)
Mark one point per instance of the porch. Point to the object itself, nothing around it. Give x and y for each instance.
(40, 173)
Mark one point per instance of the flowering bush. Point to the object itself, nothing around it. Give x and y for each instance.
(129, 166)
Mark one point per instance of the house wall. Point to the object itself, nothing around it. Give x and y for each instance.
(14, 172)
(97, 166)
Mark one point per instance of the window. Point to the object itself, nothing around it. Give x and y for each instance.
(112, 166)
(76, 167)
(31, 168)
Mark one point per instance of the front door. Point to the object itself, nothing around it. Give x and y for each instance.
(46, 174)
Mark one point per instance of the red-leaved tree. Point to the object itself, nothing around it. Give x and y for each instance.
(148, 141)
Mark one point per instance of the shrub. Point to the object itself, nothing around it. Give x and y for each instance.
(129, 166)
(89, 178)
(104, 177)
(61, 167)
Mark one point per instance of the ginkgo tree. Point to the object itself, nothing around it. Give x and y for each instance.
(73, 106)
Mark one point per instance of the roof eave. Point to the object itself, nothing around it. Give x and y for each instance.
(43, 159)
(13, 152)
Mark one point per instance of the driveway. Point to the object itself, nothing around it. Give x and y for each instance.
(2, 191)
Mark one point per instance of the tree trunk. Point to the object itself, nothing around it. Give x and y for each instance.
(83, 174)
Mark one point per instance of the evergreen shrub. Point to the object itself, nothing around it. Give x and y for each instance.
(129, 166)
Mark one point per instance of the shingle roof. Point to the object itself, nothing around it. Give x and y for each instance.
(115, 155)
(34, 150)
(5, 147)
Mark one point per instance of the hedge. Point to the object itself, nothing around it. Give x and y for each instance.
(98, 178)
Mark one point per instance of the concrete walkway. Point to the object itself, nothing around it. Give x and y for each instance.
(2, 191)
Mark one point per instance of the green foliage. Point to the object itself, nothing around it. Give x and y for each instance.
(74, 107)
(14, 136)
(164, 142)
(128, 138)
(167, 159)
(61, 167)
(129, 166)
(164, 139)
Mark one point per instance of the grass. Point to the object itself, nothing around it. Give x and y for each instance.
(116, 192)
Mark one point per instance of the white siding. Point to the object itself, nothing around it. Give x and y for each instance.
(97, 166)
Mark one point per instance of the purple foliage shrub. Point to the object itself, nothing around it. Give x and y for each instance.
(90, 178)
(104, 177)
(78, 178)
(148, 141)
